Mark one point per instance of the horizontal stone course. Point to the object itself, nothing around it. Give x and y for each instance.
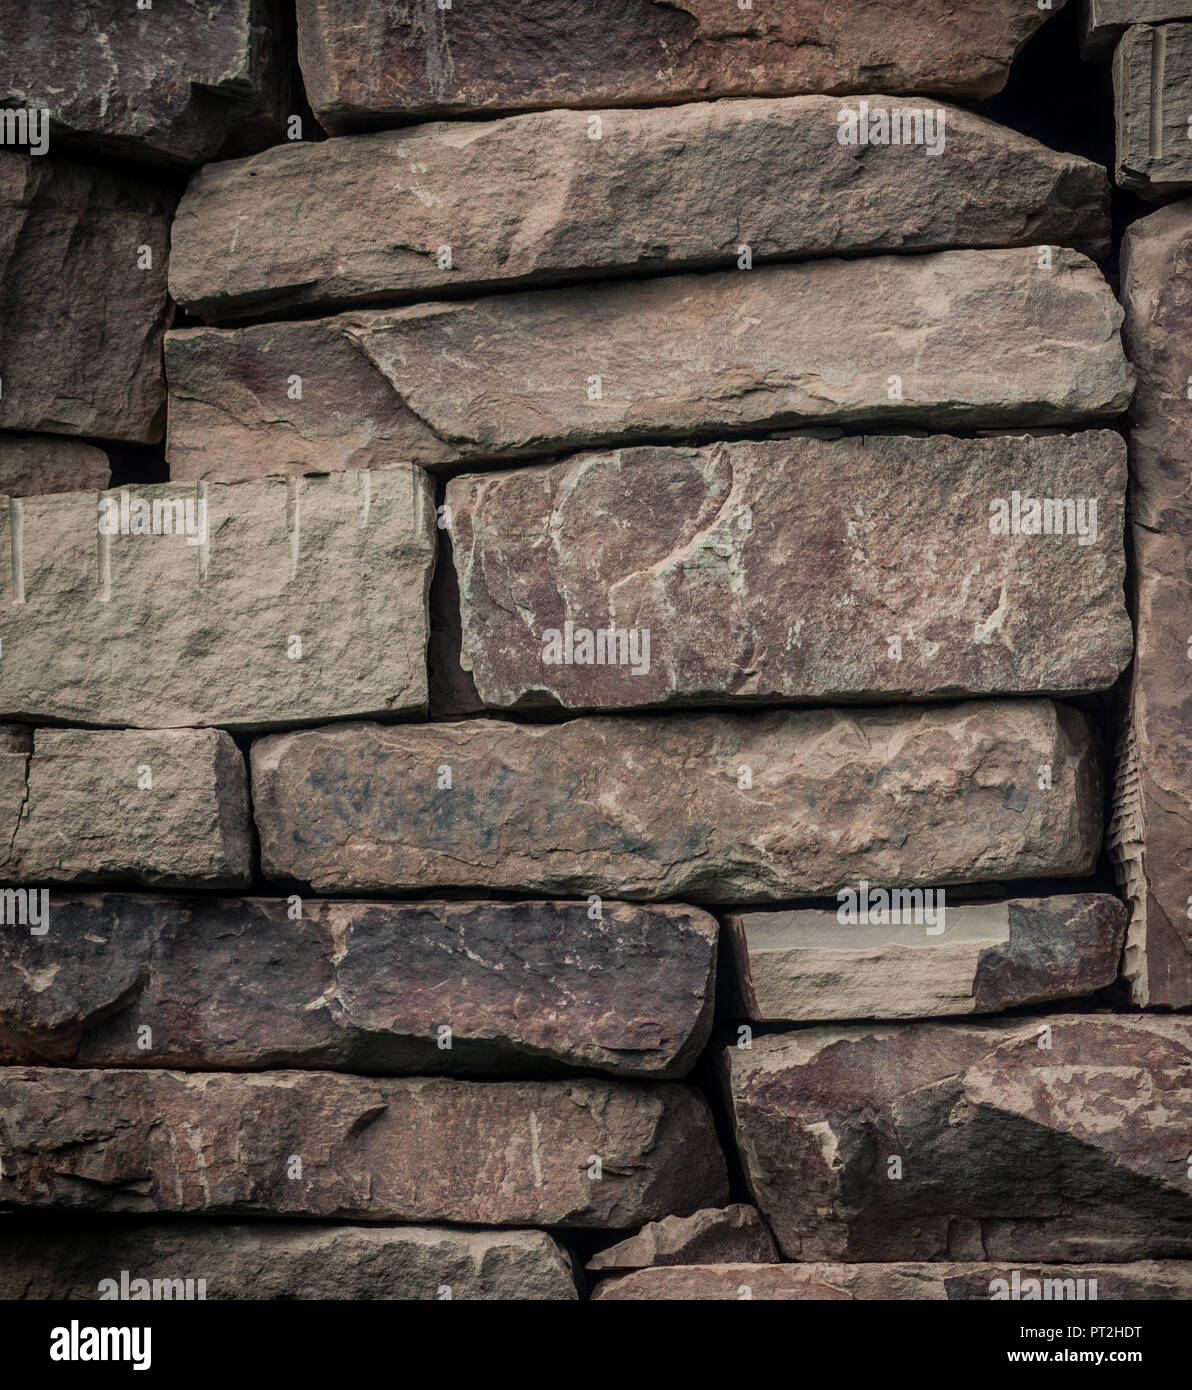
(318, 1145)
(374, 61)
(410, 213)
(1057, 1138)
(282, 1260)
(806, 965)
(359, 986)
(1104, 21)
(748, 572)
(708, 808)
(262, 603)
(964, 339)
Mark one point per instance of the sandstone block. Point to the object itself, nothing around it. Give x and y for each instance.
(267, 602)
(716, 808)
(32, 464)
(747, 572)
(420, 1149)
(1105, 21)
(83, 256)
(531, 199)
(370, 61)
(283, 1260)
(1152, 85)
(957, 338)
(807, 965)
(724, 1235)
(1044, 1139)
(361, 986)
(167, 808)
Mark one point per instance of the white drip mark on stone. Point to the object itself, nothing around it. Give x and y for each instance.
(364, 489)
(16, 538)
(535, 1149)
(203, 505)
(294, 519)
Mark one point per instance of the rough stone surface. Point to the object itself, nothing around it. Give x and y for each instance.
(169, 81)
(655, 807)
(200, 628)
(1145, 1279)
(722, 1235)
(1010, 1149)
(33, 464)
(83, 323)
(366, 60)
(758, 575)
(420, 1149)
(286, 1260)
(1152, 86)
(976, 338)
(1105, 21)
(362, 220)
(1149, 836)
(807, 966)
(360, 986)
(90, 814)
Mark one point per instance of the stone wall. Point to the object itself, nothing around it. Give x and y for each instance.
(593, 653)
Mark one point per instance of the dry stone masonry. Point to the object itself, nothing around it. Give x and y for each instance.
(594, 651)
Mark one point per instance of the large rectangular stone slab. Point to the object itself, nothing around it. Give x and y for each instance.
(755, 574)
(167, 808)
(1058, 1138)
(358, 986)
(378, 60)
(260, 603)
(1152, 87)
(957, 338)
(532, 199)
(719, 808)
(83, 255)
(1104, 21)
(807, 966)
(499, 1153)
(281, 1260)
(1151, 1280)
(143, 81)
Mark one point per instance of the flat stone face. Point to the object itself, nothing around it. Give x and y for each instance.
(1054, 1138)
(716, 808)
(1145, 1279)
(1153, 804)
(358, 986)
(283, 1260)
(260, 603)
(167, 808)
(1105, 20)
(32, 464)
(958, 338)
(809, 966)
(745, 571)
(83, 321)
(1152, 85)
(361, 220)
(723, 1235)
(369, 61)
(166, 81)
(387, 1149)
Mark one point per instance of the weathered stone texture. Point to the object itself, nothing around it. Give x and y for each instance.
(758, 576)
(1054, 1139)
(83, 322)
(532, 199)
(1152, 84)
(806, 966)
(1104, 21)
(1151, 1280)
(285, 1260)
(365, 61)
(724, 1235)
(34, 464)
(200, 628)
(167, 81)
(974, 338)
(360, 986)
(657, 808)
(90, 814)
(421, 1149)
(1153, 805)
